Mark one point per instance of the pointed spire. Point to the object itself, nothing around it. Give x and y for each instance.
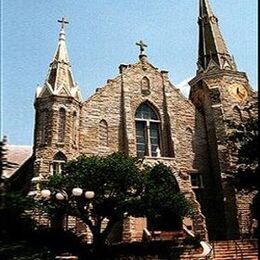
(60, 78)
(211, 43)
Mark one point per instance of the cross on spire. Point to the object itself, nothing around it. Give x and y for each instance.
(63, 22)
(142, 46)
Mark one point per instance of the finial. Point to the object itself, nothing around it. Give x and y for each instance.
(62, 32)
(142, 46)
(63, 22)
(234, 62)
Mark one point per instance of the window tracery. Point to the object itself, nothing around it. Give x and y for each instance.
(147, 125)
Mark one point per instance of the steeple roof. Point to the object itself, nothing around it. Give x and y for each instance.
(212, 47)
(60, 79)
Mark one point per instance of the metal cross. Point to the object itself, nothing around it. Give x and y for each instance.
(63, 22)
(141, 45)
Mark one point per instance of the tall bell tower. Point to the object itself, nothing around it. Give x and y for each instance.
(220, 92)
(58, 106)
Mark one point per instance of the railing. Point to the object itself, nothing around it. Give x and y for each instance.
(238, 248)
(207, 248)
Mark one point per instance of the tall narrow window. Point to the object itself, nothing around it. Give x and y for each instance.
(43, 126)
(58, 163)
(237, 114)
(189, 138)
(147, 125)
(103, 133)
(74, 127)
(62, 125)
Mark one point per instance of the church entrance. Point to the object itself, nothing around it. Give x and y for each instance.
(167, 203)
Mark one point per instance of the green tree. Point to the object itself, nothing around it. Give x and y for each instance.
(162, 199)
(121, 189)
(12, 204)
(243, 141)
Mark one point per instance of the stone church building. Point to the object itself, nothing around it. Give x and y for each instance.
(141, 113)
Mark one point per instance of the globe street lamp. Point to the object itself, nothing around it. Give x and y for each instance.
(62, 195)
(46, 194)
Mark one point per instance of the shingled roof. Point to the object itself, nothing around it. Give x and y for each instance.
(16, 155)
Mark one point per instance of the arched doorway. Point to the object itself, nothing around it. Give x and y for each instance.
(163, 194)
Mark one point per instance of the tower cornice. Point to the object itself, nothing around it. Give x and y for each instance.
(219, 73)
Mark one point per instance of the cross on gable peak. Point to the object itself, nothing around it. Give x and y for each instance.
(142, 45)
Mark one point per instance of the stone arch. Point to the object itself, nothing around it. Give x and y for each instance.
(58, 162)
(60, 156)
(103, 133)
(157, 176)
(61, 125)
(150, 105)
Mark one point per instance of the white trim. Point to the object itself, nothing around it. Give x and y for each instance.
(46, 86)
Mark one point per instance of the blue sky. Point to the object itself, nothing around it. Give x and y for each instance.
(100, 36)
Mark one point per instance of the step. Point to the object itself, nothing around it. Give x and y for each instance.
(227, 257)
(232, 249)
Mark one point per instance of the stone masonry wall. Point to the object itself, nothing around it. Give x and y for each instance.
(177, 123)
(105, 105)
(226, 96)
(44, 152)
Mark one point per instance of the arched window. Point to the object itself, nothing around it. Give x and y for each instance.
(58, 163)
(74, 127)
(62, 125)
(147, 125)
(103, 133)
(145, 86)
(189, 137)
(43, 126)
(237, 114)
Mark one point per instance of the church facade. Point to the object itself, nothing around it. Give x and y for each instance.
(141, 113)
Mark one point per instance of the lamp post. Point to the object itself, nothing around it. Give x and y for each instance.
(63, 196)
